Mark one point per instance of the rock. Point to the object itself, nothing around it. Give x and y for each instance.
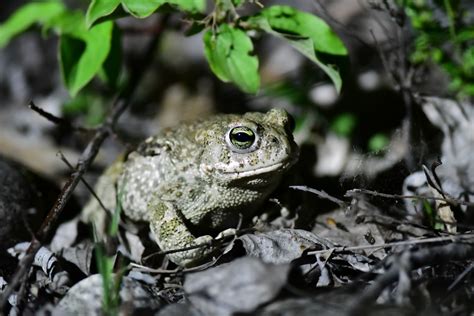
(86, 297)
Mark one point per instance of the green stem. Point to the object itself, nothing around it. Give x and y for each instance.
(451, 16)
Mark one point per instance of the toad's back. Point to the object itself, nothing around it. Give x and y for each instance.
(204, 175)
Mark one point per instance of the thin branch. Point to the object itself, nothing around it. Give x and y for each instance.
(387, 221)
(383, 58)
(456, 238)
(432, 177)
(178, 270)
(57, 120)
(453, 201)
(87, 185)
(321, 194)
(461, 277)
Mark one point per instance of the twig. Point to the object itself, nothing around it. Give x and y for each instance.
(432, 177)
(453, 201)
(57, 120)
(85, 160)
(457, 238)
(321, 194)
(87, 185)
(178, 270)
(383, 58)
(389, 221)
(203, 245)
(461, 277)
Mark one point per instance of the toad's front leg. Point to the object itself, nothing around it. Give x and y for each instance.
(171, 233)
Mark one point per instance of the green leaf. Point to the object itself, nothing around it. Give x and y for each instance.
(26, 16)
(465, 35)
(344, 124)
(304, 45)
(468, 61)
(194, 29)
(429, 212)
(211, 53)
(285, 19)
(237, 3)
(288, 90)
(68, 22)
(190, 5)
(228, 53)
(144, 8)
(70, 51)
(113, 64)
(228, 5)
(93, 106)
(83, 52)
(378, 142)
(100, 8)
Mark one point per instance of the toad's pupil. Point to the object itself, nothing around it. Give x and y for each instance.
(243, 137)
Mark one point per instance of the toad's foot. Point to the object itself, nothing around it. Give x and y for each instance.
(174, 238)
(229, 232)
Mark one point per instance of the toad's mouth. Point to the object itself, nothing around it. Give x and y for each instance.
(281, 166)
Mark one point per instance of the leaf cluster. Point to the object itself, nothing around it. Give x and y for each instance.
(90, 43)
(444, 36)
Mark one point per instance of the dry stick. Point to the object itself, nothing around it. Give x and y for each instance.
(85, 160)
(86, 184)
(321, 194)
(57, 120)
(457, 238)
(388, 221)
(178, 270)
(460, 277)
(453, 201)
(354, 192)
(374, 217)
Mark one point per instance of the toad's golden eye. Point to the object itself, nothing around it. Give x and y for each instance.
(242, 137)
